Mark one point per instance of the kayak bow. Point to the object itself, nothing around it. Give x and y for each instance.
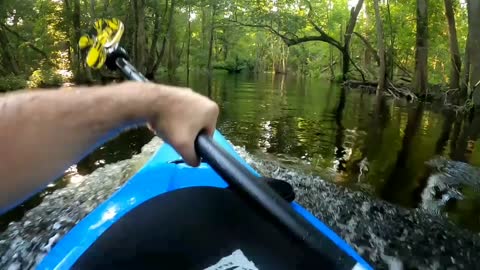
(158, 177)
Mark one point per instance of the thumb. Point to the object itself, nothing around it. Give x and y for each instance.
(187, 150)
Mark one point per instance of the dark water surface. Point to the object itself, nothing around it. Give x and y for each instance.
(331, 130)
(328, 130)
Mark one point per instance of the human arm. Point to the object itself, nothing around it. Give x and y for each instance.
(44, 132)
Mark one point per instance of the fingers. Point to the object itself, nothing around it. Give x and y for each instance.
(186, 149)
(211, 122)
(181, 116)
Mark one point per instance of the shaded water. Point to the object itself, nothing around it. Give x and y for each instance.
(329, 130)
(333, 131)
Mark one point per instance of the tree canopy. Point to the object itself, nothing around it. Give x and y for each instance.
(335, 39)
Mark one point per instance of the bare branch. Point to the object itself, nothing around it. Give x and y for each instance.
(326, 36)
(357, 68)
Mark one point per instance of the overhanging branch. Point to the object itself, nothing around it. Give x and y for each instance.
(297, 40)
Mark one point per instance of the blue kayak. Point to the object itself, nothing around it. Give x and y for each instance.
(172, 216)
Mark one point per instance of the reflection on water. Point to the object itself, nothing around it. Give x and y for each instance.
(372, 144)
(355, 139)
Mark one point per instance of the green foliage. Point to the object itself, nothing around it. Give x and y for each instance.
(44, 78)
(247, 35)
(12, 82)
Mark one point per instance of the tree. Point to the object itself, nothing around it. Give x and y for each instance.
(189, 41)
(139, 34)
(274, 23)
(152, 53)
(303, 37)
(420, 81)
(382, 72)
(473, 52)
(211, 39)
(75, 34)
(348, 37)
(456, 67)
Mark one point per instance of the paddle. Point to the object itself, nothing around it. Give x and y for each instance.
(241, 180)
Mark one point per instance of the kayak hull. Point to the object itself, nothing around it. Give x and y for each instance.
(159, 175)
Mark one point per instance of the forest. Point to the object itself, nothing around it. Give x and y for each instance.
(409, 48)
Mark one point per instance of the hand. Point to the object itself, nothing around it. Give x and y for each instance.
(180, 119)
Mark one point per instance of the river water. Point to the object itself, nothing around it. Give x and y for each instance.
(376, 146)
(340, 134)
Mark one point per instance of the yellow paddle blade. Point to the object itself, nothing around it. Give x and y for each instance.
(85, 42)
(108, 35)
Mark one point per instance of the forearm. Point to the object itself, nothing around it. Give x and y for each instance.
(43, 133)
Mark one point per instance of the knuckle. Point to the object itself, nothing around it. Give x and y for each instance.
(213, 108)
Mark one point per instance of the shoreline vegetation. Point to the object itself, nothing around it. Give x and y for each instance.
(419, 50)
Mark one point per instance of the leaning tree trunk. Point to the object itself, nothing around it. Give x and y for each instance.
(348, 37)
(454, 50)
(474, 52)
(382, 71)
(420, 81)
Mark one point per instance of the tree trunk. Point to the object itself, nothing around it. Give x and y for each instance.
(140, 39)
(330, 49)
(204, 28)
(390, 55)
(172, 50)
(466, 69)
(456, 67)
(348, 37)
(77, 59)
(152, 54)
(210, 45)
(473, 51)
(161, 53)
(382, 74)
(420, 81)
(189, 29)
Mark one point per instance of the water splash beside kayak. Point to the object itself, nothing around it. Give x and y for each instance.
(386, 235)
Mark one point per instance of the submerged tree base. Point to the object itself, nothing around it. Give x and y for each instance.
(392, 90)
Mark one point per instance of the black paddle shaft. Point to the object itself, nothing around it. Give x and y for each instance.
(251, 188)
(129, 71)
